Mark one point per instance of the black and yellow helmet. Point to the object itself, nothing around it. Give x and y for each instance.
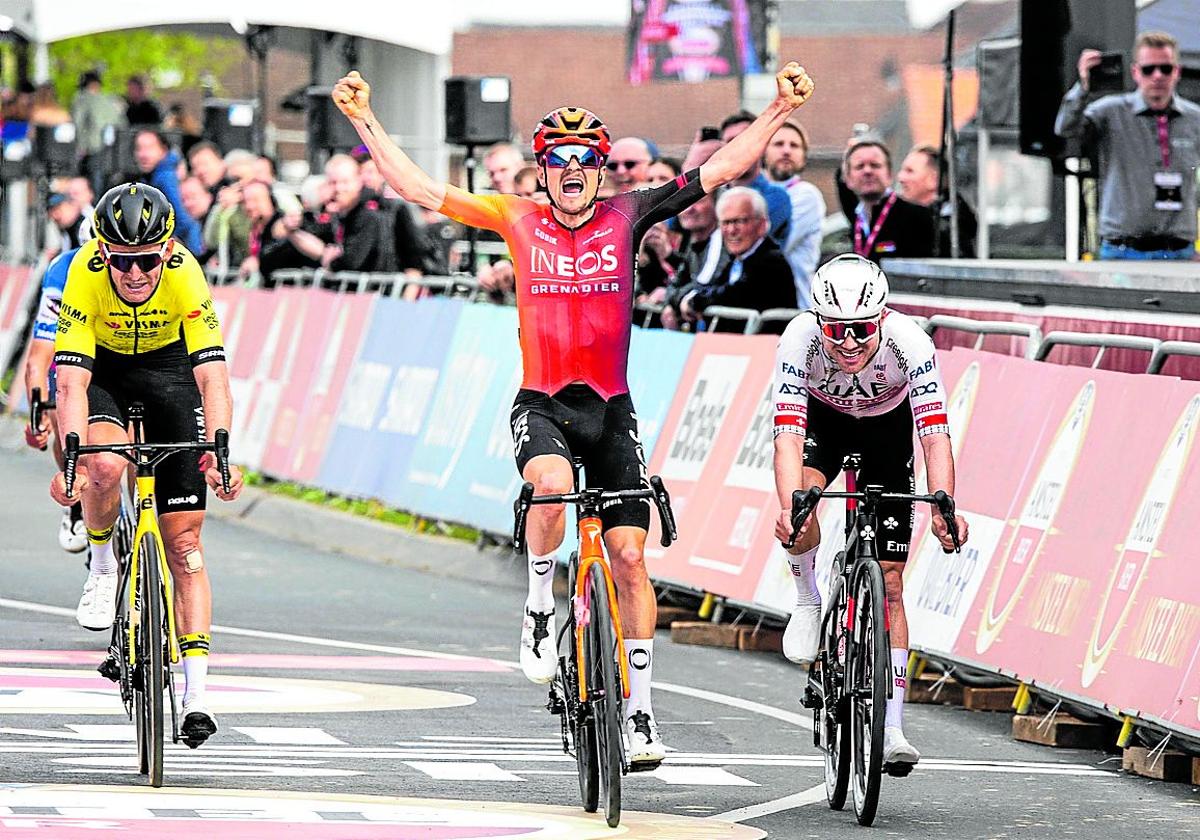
(133, 214)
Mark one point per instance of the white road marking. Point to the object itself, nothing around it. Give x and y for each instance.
(298, 735)
(714, 776)
(793, 718)
(464, 771)
(814, 794)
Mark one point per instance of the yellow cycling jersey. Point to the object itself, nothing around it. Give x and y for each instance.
(94, 315)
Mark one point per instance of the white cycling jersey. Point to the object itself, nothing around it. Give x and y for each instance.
(903, 368)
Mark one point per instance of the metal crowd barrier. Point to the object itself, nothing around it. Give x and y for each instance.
(752, 317)
(1030, 332)
(769, 317)
(385, 283)
(1103, 341)
(1171, 348)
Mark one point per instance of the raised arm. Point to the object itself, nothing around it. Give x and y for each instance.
(352, 95)
(740, 153)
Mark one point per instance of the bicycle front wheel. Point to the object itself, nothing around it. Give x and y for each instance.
(870, 669)
(150, 645)
(583, 727)
(606, 696)
(834, 729)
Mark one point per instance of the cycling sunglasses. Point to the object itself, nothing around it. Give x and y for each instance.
(147, 261)
(559, 157)
(860, 330)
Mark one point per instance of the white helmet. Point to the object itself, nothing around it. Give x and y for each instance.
(849, 288)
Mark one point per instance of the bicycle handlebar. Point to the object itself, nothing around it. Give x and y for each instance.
(594, 497)
(129, 451)
(36, 406)
(805, 501)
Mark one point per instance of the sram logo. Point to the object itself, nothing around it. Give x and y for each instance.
(566, 266)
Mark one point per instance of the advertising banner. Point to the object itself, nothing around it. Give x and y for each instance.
(388, 393)
(695, 40)
(260, 335)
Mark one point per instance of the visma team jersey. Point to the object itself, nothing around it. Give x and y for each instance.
(575, 287)
(94, 315)
(904, 368)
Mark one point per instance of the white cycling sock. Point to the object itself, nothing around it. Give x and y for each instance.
(103, 560)
(805, 576)
(193, 648)
(541, 582)
(895, 706)
(639, 657)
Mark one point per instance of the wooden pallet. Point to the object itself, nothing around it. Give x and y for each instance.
(705, 633)
(989, 699)
(1168, 766)
(1061, 730)
(669, 615)
(922, 690)
(766, 639)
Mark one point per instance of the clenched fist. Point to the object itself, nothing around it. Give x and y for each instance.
(352, 95)
(795, 85)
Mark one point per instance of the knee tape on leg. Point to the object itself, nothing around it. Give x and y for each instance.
(193, 561)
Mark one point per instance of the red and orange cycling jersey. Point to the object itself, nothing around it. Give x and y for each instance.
(575, 286)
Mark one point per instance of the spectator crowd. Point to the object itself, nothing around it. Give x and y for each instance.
(754, 245)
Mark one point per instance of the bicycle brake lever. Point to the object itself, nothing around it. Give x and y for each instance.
(662, 500)
(520, 511)
(221, 450)
(70, 460)
(945, 505)
(803, 502)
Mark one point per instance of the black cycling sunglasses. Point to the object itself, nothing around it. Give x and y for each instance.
(1165, 69)
(147, 261)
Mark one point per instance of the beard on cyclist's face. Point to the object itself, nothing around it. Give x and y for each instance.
(849, 355)
(572, 189)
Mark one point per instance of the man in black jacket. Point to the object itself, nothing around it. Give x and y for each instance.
(756, 275)
(353, 234)
(882, 223)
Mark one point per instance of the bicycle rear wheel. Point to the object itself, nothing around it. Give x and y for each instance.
(606, 696)
(148, 698)
(583, 727)
(870, 669)
(835, 731)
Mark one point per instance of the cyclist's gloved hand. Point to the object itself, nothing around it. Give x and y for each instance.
(212, 477)
(38, 439)
(943, 533)
(58, 487)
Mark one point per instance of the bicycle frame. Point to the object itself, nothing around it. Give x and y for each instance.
(591, 553)
(147, 523)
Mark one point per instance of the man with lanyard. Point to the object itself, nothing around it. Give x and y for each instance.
(574, 264)
(39, 373)
(852, 375)
(137, 324)
(1148, 144)
(885, 225)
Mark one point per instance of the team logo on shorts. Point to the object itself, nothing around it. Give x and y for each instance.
(520, 429)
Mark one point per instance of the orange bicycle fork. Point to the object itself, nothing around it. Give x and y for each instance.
(591, 552)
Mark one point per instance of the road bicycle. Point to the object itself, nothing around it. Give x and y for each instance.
(144, 644)
(592, 681)
(850, 681)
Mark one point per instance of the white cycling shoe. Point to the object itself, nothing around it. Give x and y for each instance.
(899, 756)
(198, 722)
(802, 635)
(539, 656)
(72, 533)
(98, 605)
(646, 750)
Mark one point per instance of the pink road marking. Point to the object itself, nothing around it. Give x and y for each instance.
(86, 828)
(96, 683)
(272, 660)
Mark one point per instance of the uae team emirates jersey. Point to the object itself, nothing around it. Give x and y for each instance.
(575, 286)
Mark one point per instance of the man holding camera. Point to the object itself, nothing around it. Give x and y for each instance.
(1148, 146)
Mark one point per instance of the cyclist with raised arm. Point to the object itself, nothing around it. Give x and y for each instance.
(137, 324)
(574, 261)
(39, 373)
(852, 375)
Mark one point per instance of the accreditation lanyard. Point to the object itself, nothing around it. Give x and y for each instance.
(865, 250)
(1164, 139)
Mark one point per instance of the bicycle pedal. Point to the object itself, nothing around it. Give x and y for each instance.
(110, 669)
(898, 769)
(810, 700)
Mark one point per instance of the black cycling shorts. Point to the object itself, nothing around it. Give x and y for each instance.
(577, 421)
(163, 382)
(886, 446)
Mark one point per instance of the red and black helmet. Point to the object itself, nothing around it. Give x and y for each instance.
(568, 125)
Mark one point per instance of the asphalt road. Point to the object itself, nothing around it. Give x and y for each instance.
(363, 699)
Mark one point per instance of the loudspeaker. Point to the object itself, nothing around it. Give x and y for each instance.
(1053, 33)
(328, 128)
(231, 123)
(478, 110)
(999, 64)
(54, 149)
